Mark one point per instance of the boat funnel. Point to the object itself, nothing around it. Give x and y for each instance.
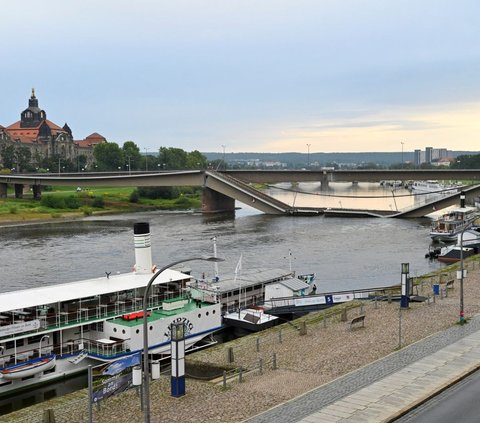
(143, 250)
(462, 199)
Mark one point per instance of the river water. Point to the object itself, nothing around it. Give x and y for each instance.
(344, 253)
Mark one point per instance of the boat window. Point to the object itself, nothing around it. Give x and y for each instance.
(137, 331)
(207, 313)
(199, 315)
(151, 327)
(114, 329)
(213, 312)
(123, 331)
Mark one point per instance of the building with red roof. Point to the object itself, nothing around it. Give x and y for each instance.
(44, 139)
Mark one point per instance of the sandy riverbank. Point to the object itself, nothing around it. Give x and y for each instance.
(326, 352)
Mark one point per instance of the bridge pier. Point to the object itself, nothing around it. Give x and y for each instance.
(18, 190)
(324, 180)
(37, 192)
(3, 190)
(215, 202)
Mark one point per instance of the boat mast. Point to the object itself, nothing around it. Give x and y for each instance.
(215, 264)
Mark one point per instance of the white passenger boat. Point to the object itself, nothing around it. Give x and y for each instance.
(452, 223)
(431, 186)
(54, 331)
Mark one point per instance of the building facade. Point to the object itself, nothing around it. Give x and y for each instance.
(43, 139)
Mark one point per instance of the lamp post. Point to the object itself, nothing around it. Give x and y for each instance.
(40, 344)
(146, 370)
(402, 153)
(224, 162)
(462, 271)
(404, 299)
(308, 155)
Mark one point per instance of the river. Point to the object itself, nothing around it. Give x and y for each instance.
(344, 253)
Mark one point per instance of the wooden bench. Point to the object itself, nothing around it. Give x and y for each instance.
(357, 320)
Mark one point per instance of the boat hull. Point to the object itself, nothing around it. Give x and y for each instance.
(31, 368)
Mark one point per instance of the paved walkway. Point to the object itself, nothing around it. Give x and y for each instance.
(384, 390)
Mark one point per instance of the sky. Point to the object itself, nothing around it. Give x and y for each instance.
(249, 75)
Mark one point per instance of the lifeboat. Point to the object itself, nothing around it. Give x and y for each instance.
(30, 368)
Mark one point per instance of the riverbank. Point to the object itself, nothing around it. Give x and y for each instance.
(327, 351)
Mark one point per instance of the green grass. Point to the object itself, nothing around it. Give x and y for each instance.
(115, 200)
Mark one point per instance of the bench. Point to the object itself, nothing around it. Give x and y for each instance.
(357, 320)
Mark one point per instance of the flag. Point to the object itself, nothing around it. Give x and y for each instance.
(239, 265)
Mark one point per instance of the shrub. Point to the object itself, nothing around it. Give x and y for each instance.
(87, 211)
(98, 202)
(72, 202)
(183, 202)
(13, 210)
(134, 196)
(53, 202)
(153, 193)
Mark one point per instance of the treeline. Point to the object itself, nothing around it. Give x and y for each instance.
(111, 157)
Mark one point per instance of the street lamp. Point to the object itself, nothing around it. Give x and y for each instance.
(401, 142)
(146, 370)
(224, 163)
(308, 155)
(462, 271)
(40, 344)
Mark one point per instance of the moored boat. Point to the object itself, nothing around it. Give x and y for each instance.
(470, 243)
(432, 186)
(73, 325)
(29, 368)
(452, 223)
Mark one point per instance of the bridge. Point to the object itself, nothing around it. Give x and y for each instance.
(221, 189)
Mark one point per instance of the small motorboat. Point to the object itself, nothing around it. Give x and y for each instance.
(29, 368)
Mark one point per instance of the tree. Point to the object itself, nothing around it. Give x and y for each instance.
(468, 161)
(132, 156)
(196, 160)
(173, 158)
(23, 158)
(108, 156)
(8, 156)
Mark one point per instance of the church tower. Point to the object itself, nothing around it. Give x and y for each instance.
(33, 115)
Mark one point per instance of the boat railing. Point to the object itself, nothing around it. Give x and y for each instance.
(106, 347)
(80, 315)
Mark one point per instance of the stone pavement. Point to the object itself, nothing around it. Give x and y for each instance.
(386, 389)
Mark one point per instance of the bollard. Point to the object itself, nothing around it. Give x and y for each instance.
(280, 336)
(258, 344)
(361, 308)
(274, 361)
(240, 371)
(343, 316)
(376, 304)
(230, 356)
(324, 319)
(224, 379)
(48, 416)
(389, 298)
(303, 328)
(260, 365)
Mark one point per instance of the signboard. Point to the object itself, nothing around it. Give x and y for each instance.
(20, 327)
(121, 380)
(113, 386)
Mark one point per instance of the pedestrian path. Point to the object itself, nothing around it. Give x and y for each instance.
(386, 389)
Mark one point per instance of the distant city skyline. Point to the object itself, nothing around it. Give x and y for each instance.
(249, 76)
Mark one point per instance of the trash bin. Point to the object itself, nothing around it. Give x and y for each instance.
(436, 289)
